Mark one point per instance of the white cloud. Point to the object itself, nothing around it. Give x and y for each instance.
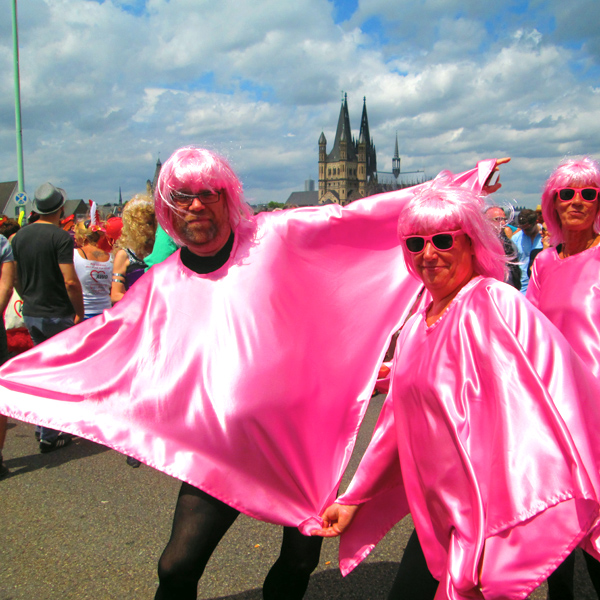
(108, 86)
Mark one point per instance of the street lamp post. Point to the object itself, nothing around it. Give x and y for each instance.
(18, 127)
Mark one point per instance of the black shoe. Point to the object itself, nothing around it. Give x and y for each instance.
(133, 462)
(61, 442)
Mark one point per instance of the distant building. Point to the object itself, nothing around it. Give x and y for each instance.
(345, 174)
(8, 206)
(303, 199)
(309, 197)
(151, 185)
(79, 208)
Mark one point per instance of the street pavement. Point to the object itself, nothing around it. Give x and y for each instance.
(80, 524)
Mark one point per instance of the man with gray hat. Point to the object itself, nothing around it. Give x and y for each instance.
(47, 282)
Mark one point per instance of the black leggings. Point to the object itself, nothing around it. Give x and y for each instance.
(413, 580)
(560, 583)
(199, 523)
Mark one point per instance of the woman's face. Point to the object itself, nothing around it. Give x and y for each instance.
(576, 214)
(444, 271)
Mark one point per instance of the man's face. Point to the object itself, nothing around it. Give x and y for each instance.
(530, 228)
(496, 214)
(204, 227)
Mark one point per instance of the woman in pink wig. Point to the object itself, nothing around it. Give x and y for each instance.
(489, 437)
(564, 286)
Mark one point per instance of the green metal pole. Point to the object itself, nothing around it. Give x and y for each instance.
(18, 127)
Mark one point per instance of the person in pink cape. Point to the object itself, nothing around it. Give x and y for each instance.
(237, 362)
(564, 286)
(489, 436)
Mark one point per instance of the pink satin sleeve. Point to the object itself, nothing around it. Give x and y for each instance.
(378, 487)
(567, 291)
(497, 432)
(250, 382)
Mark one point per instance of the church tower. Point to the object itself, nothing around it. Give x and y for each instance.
(151, 185)
(345, 172)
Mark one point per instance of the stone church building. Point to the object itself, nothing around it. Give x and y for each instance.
(350, 169)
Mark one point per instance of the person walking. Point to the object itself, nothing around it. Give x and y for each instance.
(47, 282)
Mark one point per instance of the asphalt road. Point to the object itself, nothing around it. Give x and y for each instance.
(79, 524)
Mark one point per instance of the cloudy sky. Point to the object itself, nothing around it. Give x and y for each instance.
(108, 86)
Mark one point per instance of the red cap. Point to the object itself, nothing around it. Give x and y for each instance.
(113, 227)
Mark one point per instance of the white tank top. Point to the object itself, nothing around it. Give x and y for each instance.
(95, 277)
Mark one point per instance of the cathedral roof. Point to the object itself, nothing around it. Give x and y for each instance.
(343, 134)
(365, 136)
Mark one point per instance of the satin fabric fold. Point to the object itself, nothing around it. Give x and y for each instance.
(567, 291)
(250, 382)
(491, 439)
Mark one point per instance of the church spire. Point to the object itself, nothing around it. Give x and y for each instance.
(365, 137)
(396, 160)
(343, 134)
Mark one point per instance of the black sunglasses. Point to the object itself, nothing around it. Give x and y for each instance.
(441, 241)
(587, 194)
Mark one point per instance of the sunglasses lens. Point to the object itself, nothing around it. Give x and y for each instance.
(589, 194)
(443, 241)
(415, 244)
(566, 194)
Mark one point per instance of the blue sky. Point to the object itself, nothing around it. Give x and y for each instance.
(109, 86)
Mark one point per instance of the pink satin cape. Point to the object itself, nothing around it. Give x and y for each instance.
(492, 419)
(567, 291)
(250, 382)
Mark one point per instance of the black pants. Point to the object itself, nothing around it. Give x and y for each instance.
(560, 583)
(199, 523)
(413, 580)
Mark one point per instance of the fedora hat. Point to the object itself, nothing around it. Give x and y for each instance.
(48, 199)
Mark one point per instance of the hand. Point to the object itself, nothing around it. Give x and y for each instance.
(489, 187)
(336, 519)
(78, 319)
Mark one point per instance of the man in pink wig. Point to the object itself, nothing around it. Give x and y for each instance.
(237, 363)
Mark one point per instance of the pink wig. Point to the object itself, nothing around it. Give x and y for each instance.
(196, 169)
(579, 173)
(443, 207)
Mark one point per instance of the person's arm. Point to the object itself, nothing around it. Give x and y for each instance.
(17, 282)
(117, 289)
(73, 286)
(7, 278)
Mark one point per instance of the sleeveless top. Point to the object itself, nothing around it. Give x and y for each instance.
(135, 269)
(95, 277)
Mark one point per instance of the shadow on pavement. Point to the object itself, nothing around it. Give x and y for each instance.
(80, 448)
(368, 582)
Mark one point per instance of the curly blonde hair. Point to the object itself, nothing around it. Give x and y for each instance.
(139, 225)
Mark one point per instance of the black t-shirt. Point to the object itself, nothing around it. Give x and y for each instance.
(39, 248)
(207, 264)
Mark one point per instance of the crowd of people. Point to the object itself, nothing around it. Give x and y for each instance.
(490, 433)
(55, 277)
